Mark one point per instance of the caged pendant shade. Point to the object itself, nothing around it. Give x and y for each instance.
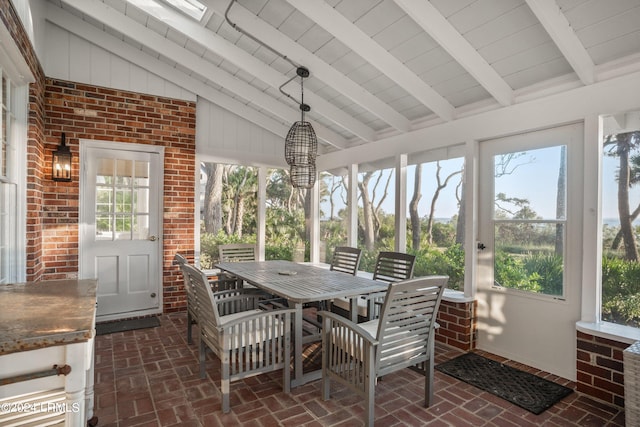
(302, 176)
(301, 145)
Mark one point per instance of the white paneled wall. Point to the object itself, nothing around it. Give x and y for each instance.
(90, 64)
(224, 137)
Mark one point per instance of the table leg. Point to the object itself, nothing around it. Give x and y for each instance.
(354, 309)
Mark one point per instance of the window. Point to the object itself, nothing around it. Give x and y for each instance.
(228, 208)
(334, 220)
(286, 234)
(192, 8)
(435, 217)
(620, 223)
(529, 219)
(13, 101)
(376, 212)
(122, 199)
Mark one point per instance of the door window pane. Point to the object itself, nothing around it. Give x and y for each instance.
(122, 199)
(529, 220)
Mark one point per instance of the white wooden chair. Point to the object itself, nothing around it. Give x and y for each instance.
(356, 354)
(218, 284)
(237, 252)
(390, 267)
(248, 341)
(346, 259)
(192, 316)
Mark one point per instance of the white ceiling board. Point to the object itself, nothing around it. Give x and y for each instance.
(532, 75)
(381, 18)
(374, 87)
(556, 24)
(350, 35)
(480, 12)
(503, 26)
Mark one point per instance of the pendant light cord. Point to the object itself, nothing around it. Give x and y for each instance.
(285, 57)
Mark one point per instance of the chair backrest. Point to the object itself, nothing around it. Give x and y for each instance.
(393, 267)
(406, 324)
(237, 252)
(202, 296)
(346, 259)
(179, 259)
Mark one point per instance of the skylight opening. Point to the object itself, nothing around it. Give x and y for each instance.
(192, 8)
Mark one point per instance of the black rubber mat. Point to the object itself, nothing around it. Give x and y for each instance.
(126, 325)
(521, 388)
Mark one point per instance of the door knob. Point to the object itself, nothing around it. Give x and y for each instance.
(153, 295)
(153, 238)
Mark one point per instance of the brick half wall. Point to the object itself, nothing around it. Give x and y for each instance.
(600, 369)
(457, 324)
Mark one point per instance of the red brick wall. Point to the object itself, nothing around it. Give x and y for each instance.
(35, 148)
(91, 112)
(600, 371)
(457, 325)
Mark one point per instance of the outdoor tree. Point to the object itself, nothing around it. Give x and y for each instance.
(213, 197)
(621, 145)
(371, 204)
(413, 208)
(440, 185)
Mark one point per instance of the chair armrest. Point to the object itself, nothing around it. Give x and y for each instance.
(237, 300)
(329, 319)
(252, 315)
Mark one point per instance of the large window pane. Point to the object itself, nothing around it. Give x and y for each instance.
(435, 217)
(286, 218)
(620, 223)
(228, 202)
(376, 212)
(529, 220)
(334, 221)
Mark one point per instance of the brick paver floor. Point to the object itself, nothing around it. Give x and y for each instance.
(150, 377)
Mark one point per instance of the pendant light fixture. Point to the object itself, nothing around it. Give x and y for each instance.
(301, 143)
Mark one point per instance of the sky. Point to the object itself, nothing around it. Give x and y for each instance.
(534, 178)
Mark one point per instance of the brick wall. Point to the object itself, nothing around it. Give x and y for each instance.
(457, 324)
(600, 371)
(89, 112)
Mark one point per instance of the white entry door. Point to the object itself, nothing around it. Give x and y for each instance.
(120, 226)
(529, 271)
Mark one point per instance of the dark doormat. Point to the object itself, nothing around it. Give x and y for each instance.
(521, 388)
(126, 325)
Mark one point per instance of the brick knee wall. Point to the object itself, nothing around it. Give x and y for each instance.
(600, 370)
(457, 325)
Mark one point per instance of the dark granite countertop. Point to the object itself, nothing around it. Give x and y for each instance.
(43, 314)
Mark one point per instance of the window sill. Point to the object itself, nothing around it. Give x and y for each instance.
(611, 331)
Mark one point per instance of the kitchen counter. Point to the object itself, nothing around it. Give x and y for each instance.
(43, 314)
(46, 352)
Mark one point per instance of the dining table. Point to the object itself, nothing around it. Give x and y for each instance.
(300, 284)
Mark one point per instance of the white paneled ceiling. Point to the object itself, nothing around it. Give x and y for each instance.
(378, 67)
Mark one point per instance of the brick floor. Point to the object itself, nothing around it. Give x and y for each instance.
(150, 377)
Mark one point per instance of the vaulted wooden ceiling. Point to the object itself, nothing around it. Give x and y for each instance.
(378, 67)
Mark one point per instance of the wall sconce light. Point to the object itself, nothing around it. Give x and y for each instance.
(61, 166)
